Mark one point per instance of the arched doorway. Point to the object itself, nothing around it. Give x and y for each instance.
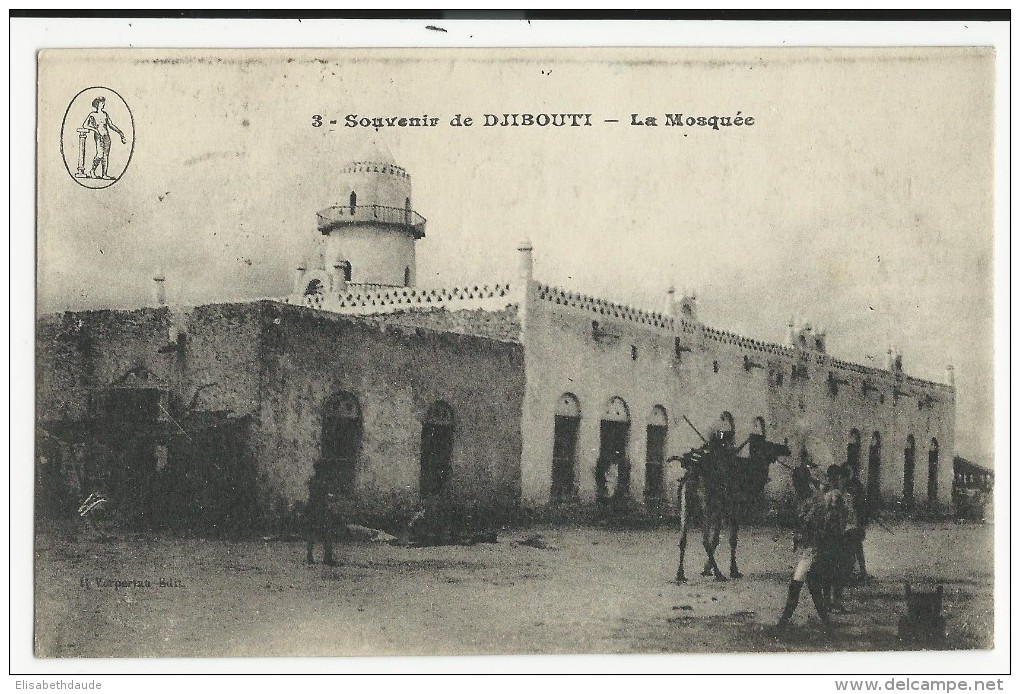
(436, 449)
(612, 471)
(853, 454)
(933, 472)
(655, 453)
(565, 427)
(727, 427)
(756, 441)
(341, 440)
(908, 471)
(875, 469)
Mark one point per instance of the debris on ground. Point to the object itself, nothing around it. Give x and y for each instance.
(485, 538)
(536, 541)
(366, 534)
(442, 522)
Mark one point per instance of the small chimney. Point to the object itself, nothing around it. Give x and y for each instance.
(299, 280)
(525, 262)
(160, 288)
(820, 334)
(669, 308)
(689, 305)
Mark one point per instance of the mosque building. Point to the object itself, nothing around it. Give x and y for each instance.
(507, 396)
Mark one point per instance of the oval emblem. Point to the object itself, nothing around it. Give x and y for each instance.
(97, 137)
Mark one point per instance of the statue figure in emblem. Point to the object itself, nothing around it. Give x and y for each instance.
(100, 124)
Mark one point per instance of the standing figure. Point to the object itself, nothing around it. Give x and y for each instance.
(834, 553)
(819, 526)
(100, 123)
(862, 509)
(804, 484)
(321, 517)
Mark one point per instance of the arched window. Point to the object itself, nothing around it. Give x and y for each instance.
(436, 449)
(933, 472)
(407, 276)
(354, 202)
(757, 443)
(853, 453)
(314, 287)
(614, 435)
(566, 423)
(341, 441)
(908, 471)
(655, 452)
(875, 470)
(727, 427)
(759, 427)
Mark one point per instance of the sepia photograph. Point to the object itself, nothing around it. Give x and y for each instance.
(514, 351)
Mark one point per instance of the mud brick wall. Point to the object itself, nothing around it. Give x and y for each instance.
(221, 358)
(396, 373)
(498, 325)
(81, 353)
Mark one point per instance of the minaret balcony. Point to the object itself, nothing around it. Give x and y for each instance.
(340, 216)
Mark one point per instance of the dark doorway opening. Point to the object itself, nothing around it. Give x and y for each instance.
(436, 450)
(908, 472)
(612, 472)
(133, 430)
(655, 454)
(875, 470)
(933, 472)
(853, 453)
(341, 441)
(565, 430)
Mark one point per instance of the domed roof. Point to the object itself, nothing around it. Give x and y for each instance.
(374, 152)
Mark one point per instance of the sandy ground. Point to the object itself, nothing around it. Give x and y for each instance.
(593, 591)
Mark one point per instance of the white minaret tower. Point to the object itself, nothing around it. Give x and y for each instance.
(370, 231)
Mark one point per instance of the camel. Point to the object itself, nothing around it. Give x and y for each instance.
(724, 487)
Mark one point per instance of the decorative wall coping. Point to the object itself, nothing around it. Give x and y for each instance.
(365, 301)
(603, 307)
(671, 324)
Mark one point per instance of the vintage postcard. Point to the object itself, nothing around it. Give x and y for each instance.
(377, 352)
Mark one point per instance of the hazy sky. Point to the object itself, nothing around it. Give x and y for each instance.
(861, 198)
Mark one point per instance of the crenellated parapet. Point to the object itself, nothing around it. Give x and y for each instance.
(367, 301)
(603, 307)
(837, 374)
(801, 352)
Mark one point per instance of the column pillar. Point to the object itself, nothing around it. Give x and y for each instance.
(83, 134)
